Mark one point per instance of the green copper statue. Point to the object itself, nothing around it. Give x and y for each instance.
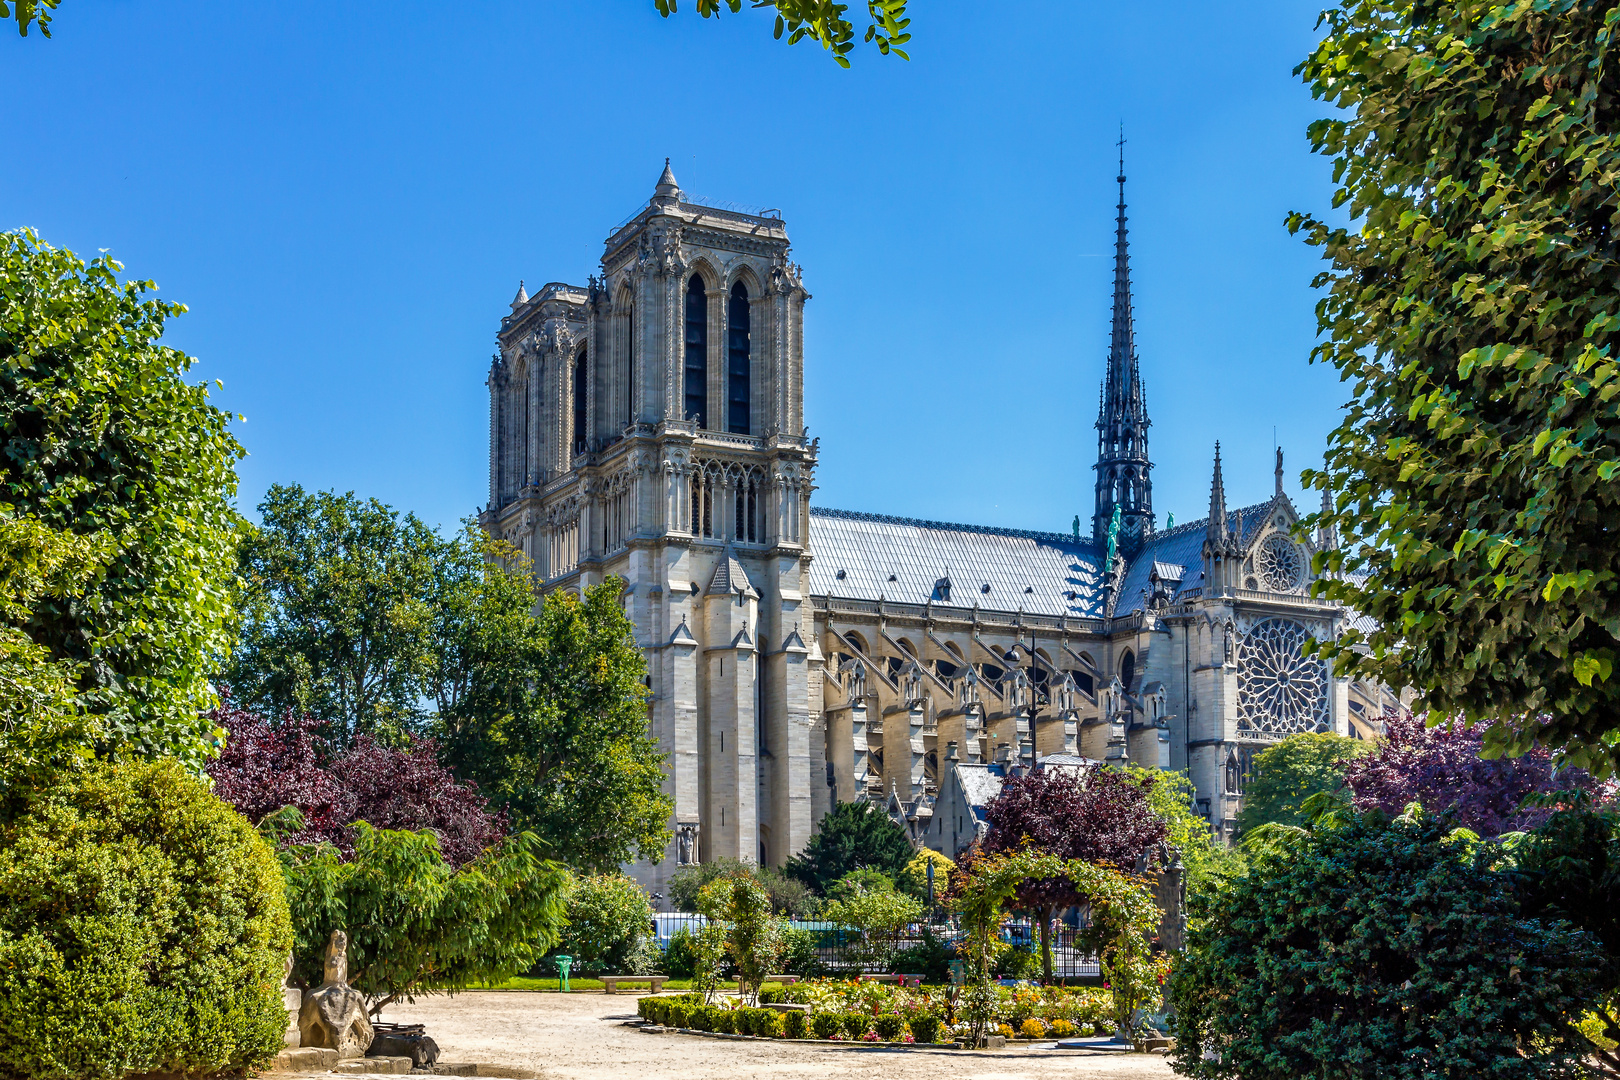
(1113, 538)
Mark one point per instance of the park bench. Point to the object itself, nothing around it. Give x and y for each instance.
(610, 983)
(781, 978)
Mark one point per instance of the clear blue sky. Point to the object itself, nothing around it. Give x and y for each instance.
(346, 196)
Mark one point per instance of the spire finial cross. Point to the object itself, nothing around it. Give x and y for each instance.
(1121, 145)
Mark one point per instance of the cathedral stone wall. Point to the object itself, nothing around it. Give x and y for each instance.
(649, 425)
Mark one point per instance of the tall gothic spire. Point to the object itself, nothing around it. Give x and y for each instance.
(1123, 469)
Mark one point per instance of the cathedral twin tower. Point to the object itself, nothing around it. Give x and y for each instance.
(650, 425)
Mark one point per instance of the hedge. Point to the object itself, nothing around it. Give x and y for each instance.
(143, 928)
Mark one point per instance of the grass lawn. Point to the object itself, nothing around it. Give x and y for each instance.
(523, 982)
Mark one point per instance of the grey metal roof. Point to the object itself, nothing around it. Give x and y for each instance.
(870, 548)
(1183, 546)
(979, 783)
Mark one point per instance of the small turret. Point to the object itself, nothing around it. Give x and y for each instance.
(667, 192)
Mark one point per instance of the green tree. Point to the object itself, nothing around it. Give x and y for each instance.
(560, 738)
(789, 896)
(913, 880)
(43, 728)
(101, 436)
(1206, 861)
(336, 618)
(823, 22)
(1379, 950)
(1287, 773)
(1474, 306)
(851, 836)
(753, 934)
(481, 605)
(415, 923)
(29, 13)
(609, 924)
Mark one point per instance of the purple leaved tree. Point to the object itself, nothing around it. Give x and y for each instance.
(265, 767)
(1095, 814)
(1440, 768)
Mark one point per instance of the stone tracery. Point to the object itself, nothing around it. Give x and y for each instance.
(1280, 690)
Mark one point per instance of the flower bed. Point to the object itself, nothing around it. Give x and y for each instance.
(843, 1011)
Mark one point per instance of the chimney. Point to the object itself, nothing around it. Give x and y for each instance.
(950, 750)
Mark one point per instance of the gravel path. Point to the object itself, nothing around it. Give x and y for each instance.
(568, 1036)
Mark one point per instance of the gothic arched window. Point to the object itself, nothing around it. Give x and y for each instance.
(1127, 669)
(580, 369)
(697, 352)
(738, 391)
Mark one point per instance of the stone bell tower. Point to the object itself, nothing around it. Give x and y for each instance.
(650, 425)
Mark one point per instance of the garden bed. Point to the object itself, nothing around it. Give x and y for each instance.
(880, 1014)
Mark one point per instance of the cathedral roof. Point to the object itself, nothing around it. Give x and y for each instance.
(1183, 546)
(729, 576)
(907, 560)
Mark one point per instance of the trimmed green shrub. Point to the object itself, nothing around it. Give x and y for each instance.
(854, 1024)
(1408, 937)
(795, 1025)
(889, 1027)
(725, 1021)
(143, 928)
(701, 1018)
(766, 1023)
(826, 1025)
(772, 993)
(648, 1009)
(925, 1028)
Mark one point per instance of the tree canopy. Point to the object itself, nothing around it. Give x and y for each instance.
(416, 924)
(851, 836)
(266, 767)
(336, 613)
(1095, 814)
(102, 438)
(821, 21)
(1441, 769)
(559, 735)
(1474, 306)
(1379, 950)
(1287, 773)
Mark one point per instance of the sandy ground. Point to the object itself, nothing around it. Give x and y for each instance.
(567, 1036)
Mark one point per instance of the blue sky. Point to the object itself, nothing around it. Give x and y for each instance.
(346, 196)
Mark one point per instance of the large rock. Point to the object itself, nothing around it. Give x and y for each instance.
(333, 1015)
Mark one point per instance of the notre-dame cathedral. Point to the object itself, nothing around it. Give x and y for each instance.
(650, 425)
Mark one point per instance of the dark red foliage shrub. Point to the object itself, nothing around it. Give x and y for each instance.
(265, 767)
(1440, 768)
(1095, 814)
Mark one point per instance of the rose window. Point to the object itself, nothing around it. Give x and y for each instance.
(1280, 689)
(1280, 564)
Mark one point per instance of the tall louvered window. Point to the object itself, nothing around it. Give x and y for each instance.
(737, 364)
(697, 352)
(630, 366)
(580, 369)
